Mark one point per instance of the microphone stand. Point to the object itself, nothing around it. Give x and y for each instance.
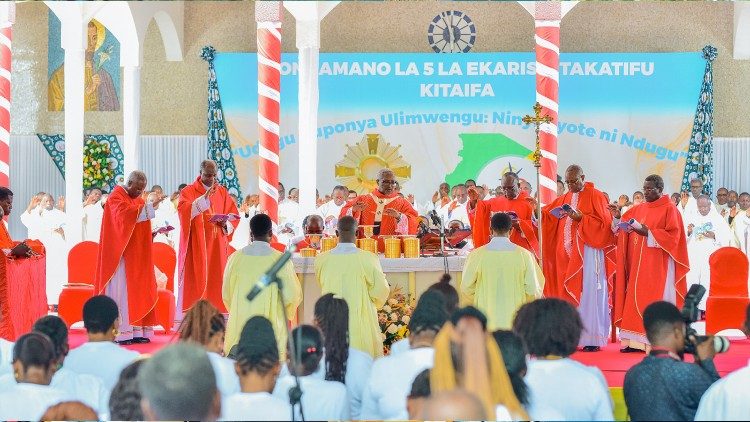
(443, 241)
(295, 393)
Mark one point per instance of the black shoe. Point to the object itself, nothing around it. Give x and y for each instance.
(141, 340)
(631, 350)
(591, 348)
(124, 342)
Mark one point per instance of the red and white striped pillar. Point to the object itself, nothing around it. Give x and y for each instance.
(268, 18)
(6, 35)
(547, 16)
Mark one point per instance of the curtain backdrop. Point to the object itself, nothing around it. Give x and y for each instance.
(731, 164)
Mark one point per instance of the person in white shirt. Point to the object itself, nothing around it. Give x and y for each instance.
(392, 376)
(258, 369)
(164, 216)
(87, 389)
(331, 210)
(728, 399)
(290, 217)
(34, 363)
(551, 329)
(93, 212)
(204, 325)
(456, 209)
(178, 383)
(100, 356)
(688, 205)
(342, 363)
(321, 400)
(740, 223)
(30, 217)
(722, 198)
(248, 209)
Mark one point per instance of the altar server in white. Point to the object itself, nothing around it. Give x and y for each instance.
(101, 356)
(707, 231)
(93, 212)
(321, 399)
(331, 210)
(290, 218)
(740, 224)
(456, 209)
(50, 226)
(392, 376)
(30, 217)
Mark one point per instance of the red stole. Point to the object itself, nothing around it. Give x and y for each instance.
(204, 248)
(123, 238)
(563, 273)
(523, 209)
(642, 270)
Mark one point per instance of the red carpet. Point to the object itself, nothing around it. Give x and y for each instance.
(613, 364)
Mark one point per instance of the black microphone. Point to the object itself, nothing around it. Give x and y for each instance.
(435, 219)
(270, 275)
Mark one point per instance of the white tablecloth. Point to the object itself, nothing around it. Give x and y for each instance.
(394, 265)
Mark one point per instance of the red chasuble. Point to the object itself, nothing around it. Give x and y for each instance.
(204, 248)
(387, 223)
(122, 237)
(523, 209)
(642, 270)
(564, 240)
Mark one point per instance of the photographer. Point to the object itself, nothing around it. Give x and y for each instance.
(662, 386)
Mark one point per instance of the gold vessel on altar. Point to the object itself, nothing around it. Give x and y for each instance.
(308, 252)
(314, 240)
(392, 247)
(368, 244)
(411, 247)
(328, 243)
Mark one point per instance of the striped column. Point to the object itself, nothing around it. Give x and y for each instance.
(6, 34)
(268, 17)
(547, 40)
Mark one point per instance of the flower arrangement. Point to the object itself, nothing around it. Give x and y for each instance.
(96, 169)
(394, 318)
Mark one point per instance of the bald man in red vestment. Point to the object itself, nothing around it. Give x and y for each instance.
(124, 266)
(384, 208)
(204, 245)
(513, 201)
(652, 261)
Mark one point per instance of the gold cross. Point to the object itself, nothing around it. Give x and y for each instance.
(537, 120)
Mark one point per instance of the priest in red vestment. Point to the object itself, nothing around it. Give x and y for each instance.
(124, 264)
(312, 224)
(384, 208)
(652, 261)
(23, 296)
(512, 201)
(576, 243)
(204, 245)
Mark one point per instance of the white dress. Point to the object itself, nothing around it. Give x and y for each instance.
(29, 402)
(575, 391)
(390, 383)
(101, 359)
(227, 380)
(255, 407)
(321, 400)
(728, 399)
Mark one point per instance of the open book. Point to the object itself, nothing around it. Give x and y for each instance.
(628, 225)
(223, 218)
(163, 230)
(561, 211)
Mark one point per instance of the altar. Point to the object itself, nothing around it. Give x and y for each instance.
(413, 275)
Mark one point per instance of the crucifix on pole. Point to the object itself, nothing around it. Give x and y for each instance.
(537, 119)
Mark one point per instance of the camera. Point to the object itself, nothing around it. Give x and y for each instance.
(690, 314)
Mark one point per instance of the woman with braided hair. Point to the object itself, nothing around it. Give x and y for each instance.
(321, 399)
(204, 324)
(258, 368)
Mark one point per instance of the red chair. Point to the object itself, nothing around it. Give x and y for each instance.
(80, 287)
(165, 260)
(728, 296)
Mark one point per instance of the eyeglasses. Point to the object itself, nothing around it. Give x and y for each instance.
(388, 182)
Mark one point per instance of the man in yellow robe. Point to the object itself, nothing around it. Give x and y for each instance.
(244, 268)
(501, 276)
(357, 277)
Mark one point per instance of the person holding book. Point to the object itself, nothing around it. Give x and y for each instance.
(577, 266)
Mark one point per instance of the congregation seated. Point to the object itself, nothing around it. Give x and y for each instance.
(514, 354)
(100, 356)
(84, 388)
(204, 326)
(178, 383)
(321, 399)
(125, 399)
(258, 368)
(418, 395)
(551, 329)
(34, 363)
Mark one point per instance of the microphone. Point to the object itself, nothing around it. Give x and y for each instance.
(435, 219)
(270, 275)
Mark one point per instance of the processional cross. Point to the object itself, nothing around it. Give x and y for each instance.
(537, 121)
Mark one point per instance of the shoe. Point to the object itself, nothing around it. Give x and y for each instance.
(141, 340)
(631, 350)
(124, 342)
(591, 348)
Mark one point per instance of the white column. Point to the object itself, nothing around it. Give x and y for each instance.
(308, 15)
(131, 118)
(74, 90)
